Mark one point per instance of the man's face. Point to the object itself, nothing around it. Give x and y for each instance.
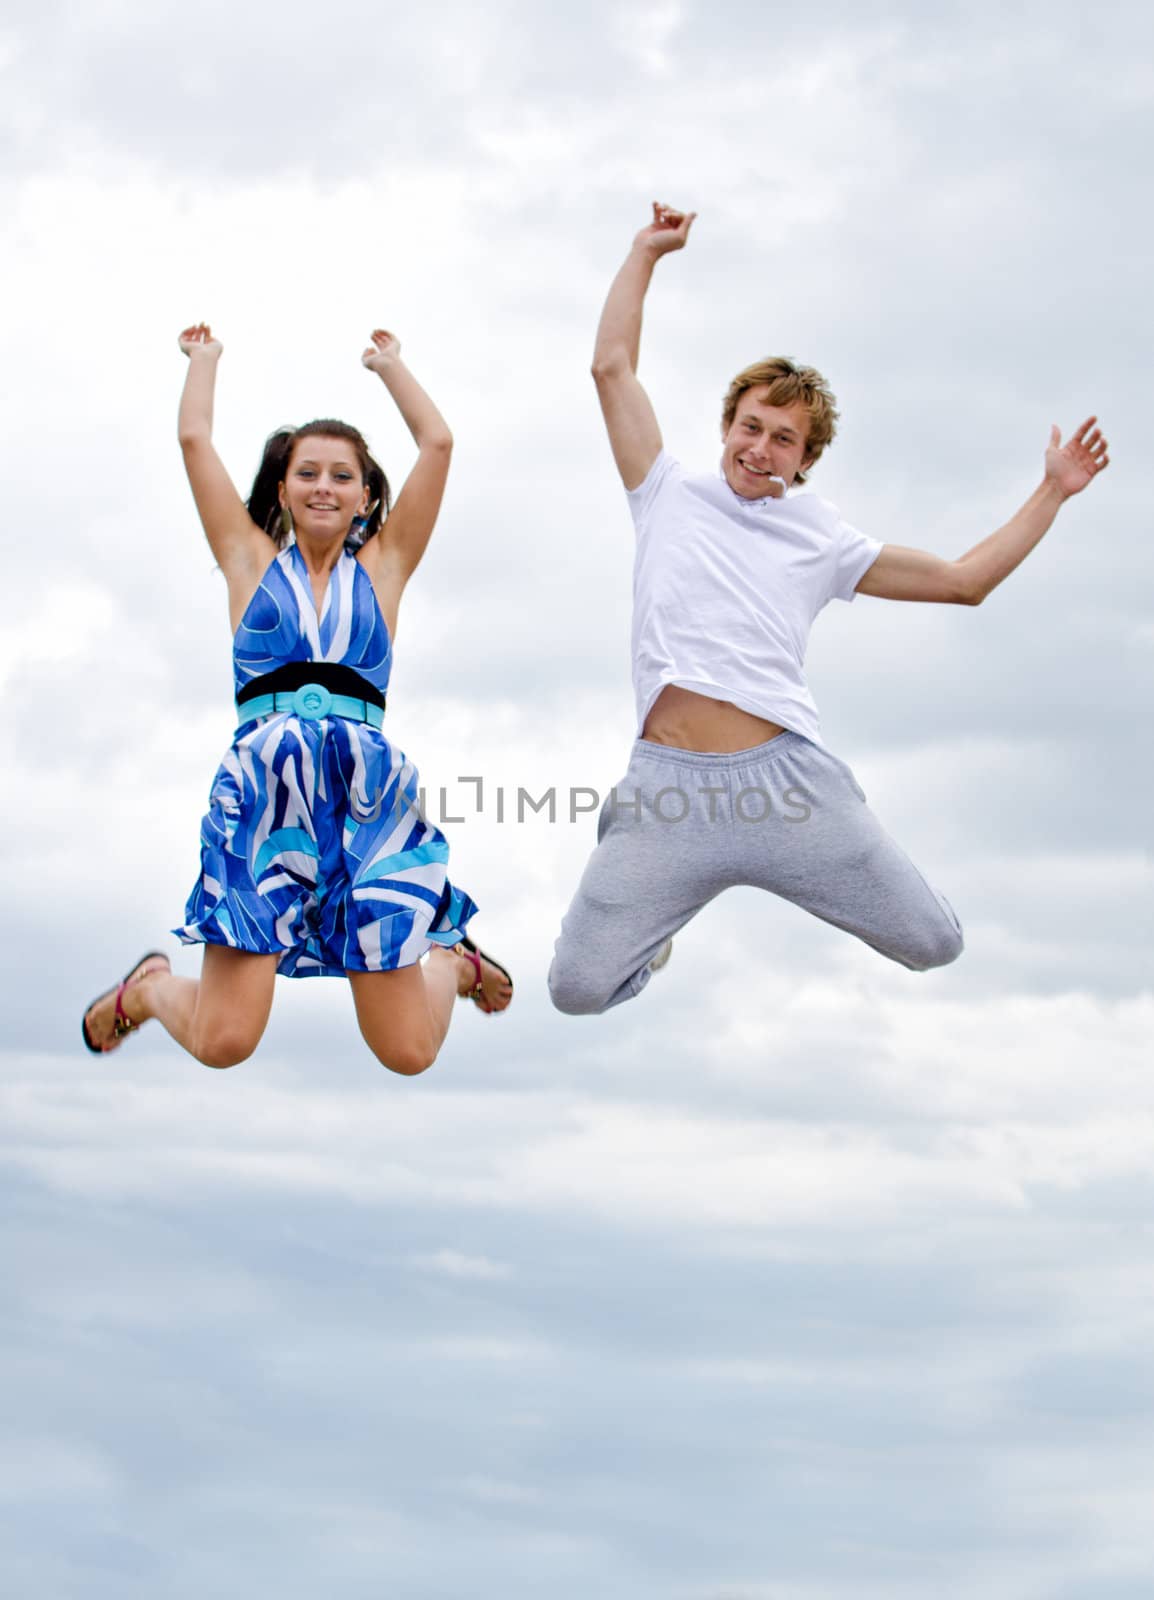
(764, 442)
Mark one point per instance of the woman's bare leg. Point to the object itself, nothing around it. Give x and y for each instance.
(218, 1018)
(405, 1015)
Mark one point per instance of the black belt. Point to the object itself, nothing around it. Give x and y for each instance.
(294, 675)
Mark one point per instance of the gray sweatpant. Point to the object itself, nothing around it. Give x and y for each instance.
(785, 816)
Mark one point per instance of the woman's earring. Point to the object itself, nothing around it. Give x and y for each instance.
(359, 528)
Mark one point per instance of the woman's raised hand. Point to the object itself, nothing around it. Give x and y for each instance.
(383, 348)
(198, 337)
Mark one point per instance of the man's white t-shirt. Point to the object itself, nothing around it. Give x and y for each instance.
(725, 591)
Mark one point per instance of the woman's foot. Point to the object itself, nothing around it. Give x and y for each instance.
(481, 979)
(118, 1011)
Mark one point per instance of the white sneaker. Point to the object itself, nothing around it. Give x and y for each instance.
(661, 959)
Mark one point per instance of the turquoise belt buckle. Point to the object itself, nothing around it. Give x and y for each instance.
(312, 701)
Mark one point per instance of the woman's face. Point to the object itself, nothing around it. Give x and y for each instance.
(322, 488)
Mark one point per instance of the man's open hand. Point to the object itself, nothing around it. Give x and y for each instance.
(1071, 466)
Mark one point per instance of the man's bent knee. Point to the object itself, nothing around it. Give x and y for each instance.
(575, 993)
(941, 945)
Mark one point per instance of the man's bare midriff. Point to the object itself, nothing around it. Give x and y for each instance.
(689, 721)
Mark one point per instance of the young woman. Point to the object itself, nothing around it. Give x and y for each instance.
(314, 856)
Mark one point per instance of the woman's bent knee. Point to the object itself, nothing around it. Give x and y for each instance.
(223, 1055)
(224, 1049)
(407, 1060)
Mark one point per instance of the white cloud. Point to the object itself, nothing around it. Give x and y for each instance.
(454, 1264)
(988, 1113)
(644, 35)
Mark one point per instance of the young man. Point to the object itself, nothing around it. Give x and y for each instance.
(729, 782)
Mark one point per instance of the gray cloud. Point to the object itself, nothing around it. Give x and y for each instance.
(675, 1418)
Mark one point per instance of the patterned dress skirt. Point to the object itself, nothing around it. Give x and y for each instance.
(314, 850)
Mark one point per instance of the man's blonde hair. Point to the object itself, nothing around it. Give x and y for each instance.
(784, 384)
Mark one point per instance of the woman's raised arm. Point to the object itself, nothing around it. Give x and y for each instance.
(240, 547)
(402, 541)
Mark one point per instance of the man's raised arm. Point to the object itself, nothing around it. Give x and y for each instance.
(629, 417)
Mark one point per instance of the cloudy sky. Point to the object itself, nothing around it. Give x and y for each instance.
(804, 1278)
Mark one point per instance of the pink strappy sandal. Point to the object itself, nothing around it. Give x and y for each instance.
(473, 953)
(122, 1024)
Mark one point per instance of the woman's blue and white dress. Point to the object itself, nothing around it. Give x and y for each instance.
(314, 848)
